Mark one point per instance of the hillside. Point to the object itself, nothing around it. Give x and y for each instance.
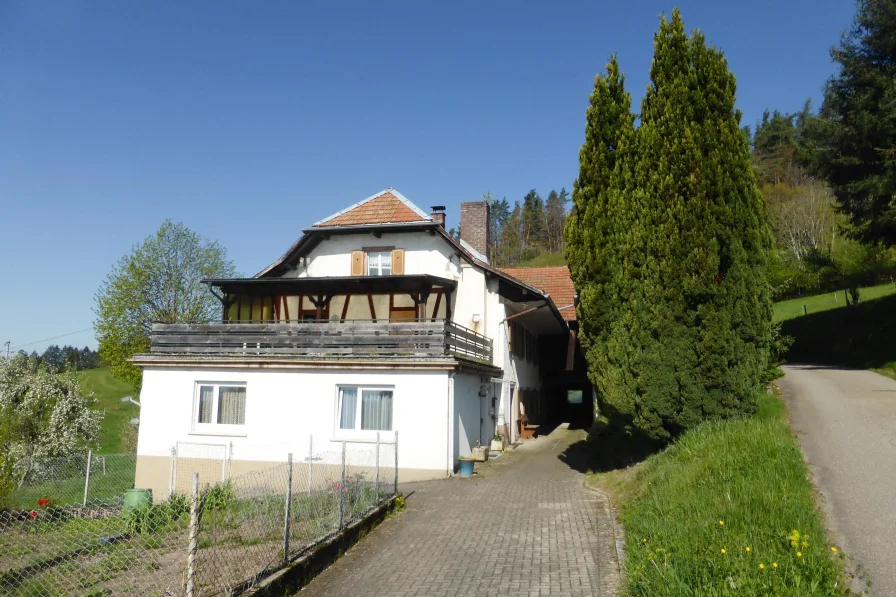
(830, 300)
(544, 260)
(109, 392)
(861, 336)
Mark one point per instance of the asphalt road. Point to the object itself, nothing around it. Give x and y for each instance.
(846, 424)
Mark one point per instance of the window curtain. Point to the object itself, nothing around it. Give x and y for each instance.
(231, 405)
(206, 396)
(376, 410)
(349, 402)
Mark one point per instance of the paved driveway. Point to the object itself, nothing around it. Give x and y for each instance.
(846, 422)
(527, 526)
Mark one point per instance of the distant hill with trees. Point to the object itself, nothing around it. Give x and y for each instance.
(66, 358)
(527, 231)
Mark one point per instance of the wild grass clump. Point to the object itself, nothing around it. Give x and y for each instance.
(727, 509)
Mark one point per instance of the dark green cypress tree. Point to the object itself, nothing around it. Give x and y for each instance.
(674, 303)
(595, 231)
(856, 135)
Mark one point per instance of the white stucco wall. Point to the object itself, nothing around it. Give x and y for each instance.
(424, 254)
(470, 299)
(284, 408)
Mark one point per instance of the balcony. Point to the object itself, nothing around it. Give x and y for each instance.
(422, 338)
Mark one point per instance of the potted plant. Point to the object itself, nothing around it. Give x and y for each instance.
(497, 443)
(465, 466)
(480, 453)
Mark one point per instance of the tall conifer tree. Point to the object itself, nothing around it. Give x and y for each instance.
(668, 251)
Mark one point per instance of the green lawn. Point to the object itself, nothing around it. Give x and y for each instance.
(713, 514)
(863, 337)
(825, 302)
(109, 392)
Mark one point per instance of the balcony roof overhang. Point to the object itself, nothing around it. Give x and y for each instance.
(406, 284)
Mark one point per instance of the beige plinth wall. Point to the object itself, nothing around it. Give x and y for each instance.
(155, 473)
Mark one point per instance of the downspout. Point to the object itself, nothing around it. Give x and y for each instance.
(449, 400)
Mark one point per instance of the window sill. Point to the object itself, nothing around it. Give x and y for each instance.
(386, 437)
(218, 433)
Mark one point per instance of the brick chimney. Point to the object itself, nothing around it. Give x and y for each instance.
(474, 226)
(438, 215)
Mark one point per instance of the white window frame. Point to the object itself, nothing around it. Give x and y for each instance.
(357, 433)
(215, 428)
(375, 262)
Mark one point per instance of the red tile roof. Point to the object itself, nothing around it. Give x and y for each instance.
(554, 280)
(384, 208)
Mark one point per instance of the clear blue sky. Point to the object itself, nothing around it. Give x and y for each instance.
(249, 121)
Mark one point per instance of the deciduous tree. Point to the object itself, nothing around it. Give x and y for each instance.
(158, 282)
(41, 414)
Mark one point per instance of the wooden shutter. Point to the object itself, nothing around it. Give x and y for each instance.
(398, 262)
(357, 263)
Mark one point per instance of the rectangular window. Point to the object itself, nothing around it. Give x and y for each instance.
(379, 263)
(365, 409)
(220, 408)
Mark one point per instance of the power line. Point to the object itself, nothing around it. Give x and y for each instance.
(48, 339)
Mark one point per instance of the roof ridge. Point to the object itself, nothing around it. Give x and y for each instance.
(392, 191)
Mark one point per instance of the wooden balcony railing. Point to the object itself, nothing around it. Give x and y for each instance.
(355, 338)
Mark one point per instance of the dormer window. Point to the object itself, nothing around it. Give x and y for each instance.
(379, 263)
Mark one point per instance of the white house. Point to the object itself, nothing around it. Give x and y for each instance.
(375, 321)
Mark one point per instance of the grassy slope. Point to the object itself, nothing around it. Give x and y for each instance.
(544, 260)
(792, 308)
(862, 336)
(109, 392)
(748, 473)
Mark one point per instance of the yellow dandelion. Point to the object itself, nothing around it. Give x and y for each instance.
(762, 566)
(644, 540)
(774, 564)
(748, 549)
(799, 554)
(723, 551)
(721, 523)
(834, 549)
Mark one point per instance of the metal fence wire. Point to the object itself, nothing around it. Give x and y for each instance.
(220, 537)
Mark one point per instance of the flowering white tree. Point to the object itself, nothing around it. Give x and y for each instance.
(41, 414)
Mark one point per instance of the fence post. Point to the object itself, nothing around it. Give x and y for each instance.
(396, 464)
(194, 537)
(342, 492)
(310, 460)
(377, 484)
(87, 477)
(804, 310)
(173, 471)
(288, 508)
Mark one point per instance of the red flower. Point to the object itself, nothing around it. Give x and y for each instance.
(32, 514)
(43, 502)
(336, 486)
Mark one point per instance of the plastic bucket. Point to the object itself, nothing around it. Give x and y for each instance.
(137, 498)
(465, 468)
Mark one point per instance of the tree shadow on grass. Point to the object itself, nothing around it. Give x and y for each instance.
(608, 448)
(863, 336)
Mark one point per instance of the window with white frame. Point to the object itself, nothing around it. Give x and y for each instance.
(379, 263)
(220, 407)
(365, 408)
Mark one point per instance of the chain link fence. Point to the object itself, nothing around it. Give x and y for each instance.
(72, 528)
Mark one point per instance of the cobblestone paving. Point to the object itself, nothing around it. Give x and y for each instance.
(526, 526)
